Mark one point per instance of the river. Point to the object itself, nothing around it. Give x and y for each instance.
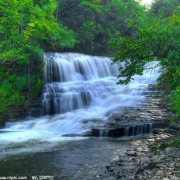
(80, 92)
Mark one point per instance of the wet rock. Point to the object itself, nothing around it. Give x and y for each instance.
(156, 131)
(175, 126)
(134, 121)
(140, 161)
(123, 130)
(77, 135)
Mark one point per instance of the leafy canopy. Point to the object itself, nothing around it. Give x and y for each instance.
(154, 39)
(27, 28)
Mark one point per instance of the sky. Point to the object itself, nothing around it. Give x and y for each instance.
(146, 2)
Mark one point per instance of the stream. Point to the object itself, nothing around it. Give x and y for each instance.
(80, 92)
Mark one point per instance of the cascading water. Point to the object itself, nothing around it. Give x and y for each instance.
(75, 81)
(80, 92)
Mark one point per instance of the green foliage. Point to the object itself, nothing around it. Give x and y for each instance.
(164, 8)
(10, 91)
(175, 102)
(94, 22)
(154, 39)
(160, 147)
(93, 4)
(27, 27)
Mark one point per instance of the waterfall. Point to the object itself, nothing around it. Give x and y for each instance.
(138, 129)
(74, 81)
(81, 92)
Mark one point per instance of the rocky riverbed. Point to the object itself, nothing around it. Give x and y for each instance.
(150, 157)
(141, 162)
(129, 121)
(108, 157)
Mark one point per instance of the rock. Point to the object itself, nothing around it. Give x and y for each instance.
(172, 131)
(134, 121)
(139, 160)
(156, 131)
(175, 126)
(169, 150)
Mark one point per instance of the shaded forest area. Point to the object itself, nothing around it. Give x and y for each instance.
(121, 28)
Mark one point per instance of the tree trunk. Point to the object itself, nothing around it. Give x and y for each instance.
(57, 11)
(29, 80)
(22, 22)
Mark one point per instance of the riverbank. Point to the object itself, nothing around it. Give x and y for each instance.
(90, 103)
(153, 157)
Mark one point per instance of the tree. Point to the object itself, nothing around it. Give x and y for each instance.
(108, 19)
(27, 27)
(154, 39)
(164, 8)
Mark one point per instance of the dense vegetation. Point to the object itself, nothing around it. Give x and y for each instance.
(157, 38)
(95, 22)
(30, 27)
(26, 28)
(137, 35)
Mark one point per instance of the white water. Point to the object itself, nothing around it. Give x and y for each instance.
(81, 92)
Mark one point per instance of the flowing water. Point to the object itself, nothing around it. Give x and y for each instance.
(80, 92)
